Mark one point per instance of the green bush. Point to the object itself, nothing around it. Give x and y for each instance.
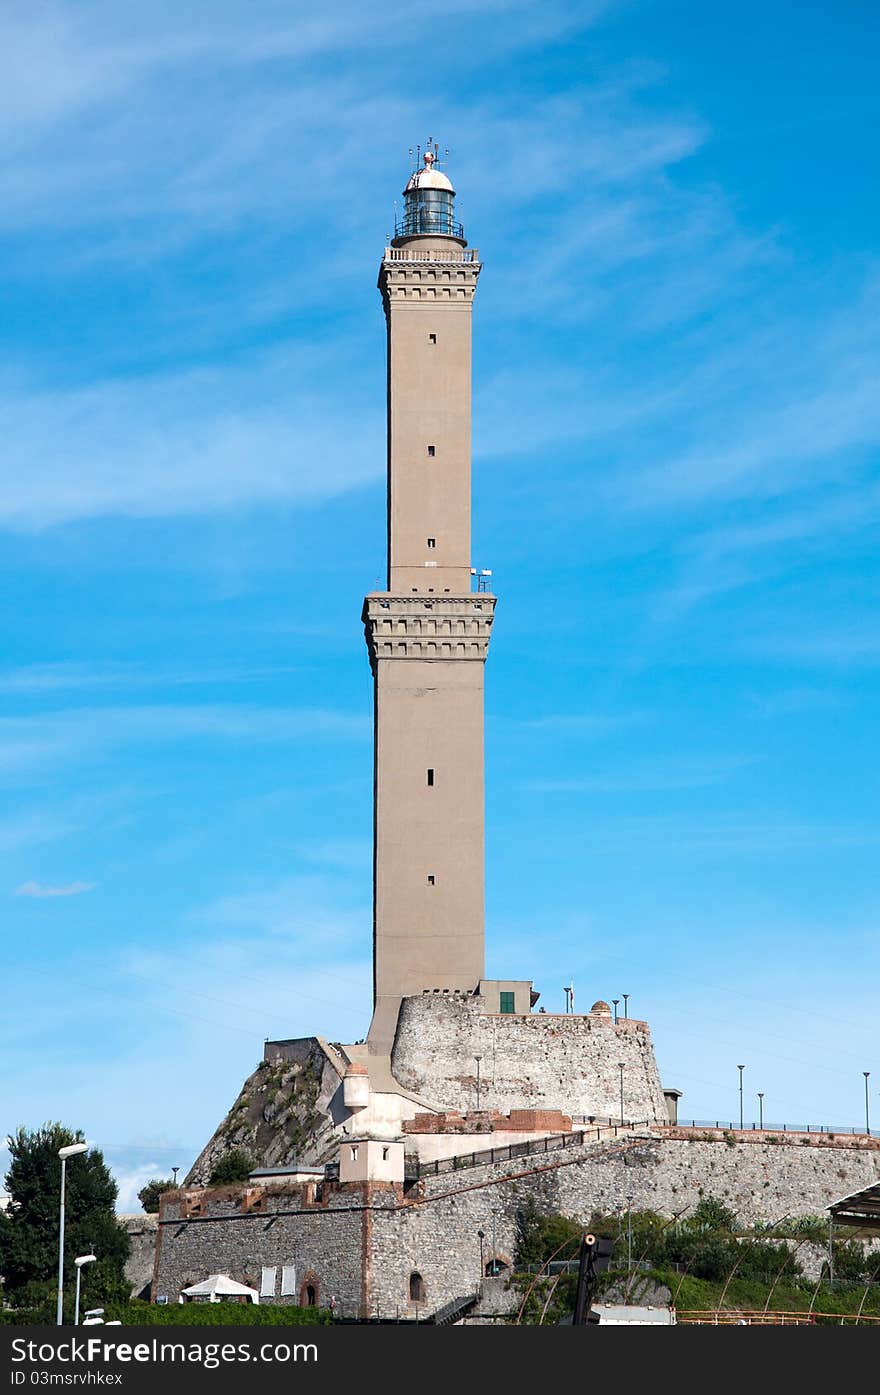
(138, 1314)
(148, 1196)
(234, 1166)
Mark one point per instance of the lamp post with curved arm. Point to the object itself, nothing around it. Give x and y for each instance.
(70, 1151)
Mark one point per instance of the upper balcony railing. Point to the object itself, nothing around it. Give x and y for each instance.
(425, 223)
(414, 254)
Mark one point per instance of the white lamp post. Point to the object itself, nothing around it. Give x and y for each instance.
(64, 1153)
(79, 1262)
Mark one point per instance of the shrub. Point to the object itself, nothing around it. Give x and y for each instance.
(148, 1196)
(138, 1314)
(234, 1166)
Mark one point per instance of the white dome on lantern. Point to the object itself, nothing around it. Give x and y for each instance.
(428, 177)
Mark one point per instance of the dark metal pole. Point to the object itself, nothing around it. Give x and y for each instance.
(478, 1059)
(585, 1282)
(626, 1005)
(482, 1235)
(615, 1001)
(866, 1073)
(740, 1069)
(760, 1109)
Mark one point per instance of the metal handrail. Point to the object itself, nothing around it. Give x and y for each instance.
(507, 1152)
(848, 1129)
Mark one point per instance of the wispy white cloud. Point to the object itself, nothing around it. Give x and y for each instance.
(40, 890)
(656, 776)
(69, 733)
(784, 410)
(178, 445)
(36, 679)
(33, 826)
(826, 643)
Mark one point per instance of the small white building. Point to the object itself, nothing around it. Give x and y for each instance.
(632, 1315)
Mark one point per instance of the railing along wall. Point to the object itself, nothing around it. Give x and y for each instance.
(508, 1152)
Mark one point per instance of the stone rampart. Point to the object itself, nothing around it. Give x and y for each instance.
(527, 1061)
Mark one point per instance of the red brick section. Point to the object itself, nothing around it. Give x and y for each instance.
(539, 1121)
(491, 1121)
(789, 1137)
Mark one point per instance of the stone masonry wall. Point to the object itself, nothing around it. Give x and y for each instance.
(141, 1230)
(534, 1061)
(363, 1243)
(325, 1240)
(436, 1233)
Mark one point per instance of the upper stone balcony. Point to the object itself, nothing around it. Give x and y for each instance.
(420, 253)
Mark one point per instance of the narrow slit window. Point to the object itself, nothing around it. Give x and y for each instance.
(432, 450)
(432, 339)
(432, 542)
(430, 775)
(430, 879)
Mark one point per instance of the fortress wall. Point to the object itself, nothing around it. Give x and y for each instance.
(759, 1180)
(326, 1245)
(528, 1061)
(371, 1238)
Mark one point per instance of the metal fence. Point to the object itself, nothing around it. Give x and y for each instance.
(775, 1128)
(549, 1143)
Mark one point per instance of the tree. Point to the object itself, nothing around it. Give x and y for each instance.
(711, 1214)
(29, 1228)
(148, 1196)
(234, 1166)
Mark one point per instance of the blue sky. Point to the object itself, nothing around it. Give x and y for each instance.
(676, 426)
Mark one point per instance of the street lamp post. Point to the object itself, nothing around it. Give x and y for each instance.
(70, 1151)
(174, 1172)
(625, 997)
(80, 1262)
(482, 1235)
(740, 1069)
(620, 1068)
(866, 1073)
(629, 1234)
(478, 1059)
(615, 1001)
(760, 1109)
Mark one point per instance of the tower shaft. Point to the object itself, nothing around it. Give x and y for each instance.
(428, 636)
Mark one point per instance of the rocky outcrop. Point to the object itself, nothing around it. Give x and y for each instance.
(282, 1114)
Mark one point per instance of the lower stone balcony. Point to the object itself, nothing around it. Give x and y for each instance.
(428, 627)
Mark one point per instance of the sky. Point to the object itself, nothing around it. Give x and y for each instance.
(676, 430)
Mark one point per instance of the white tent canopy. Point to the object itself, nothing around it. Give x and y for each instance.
(217, 1287)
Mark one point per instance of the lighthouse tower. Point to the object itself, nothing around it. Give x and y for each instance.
(428, 633)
